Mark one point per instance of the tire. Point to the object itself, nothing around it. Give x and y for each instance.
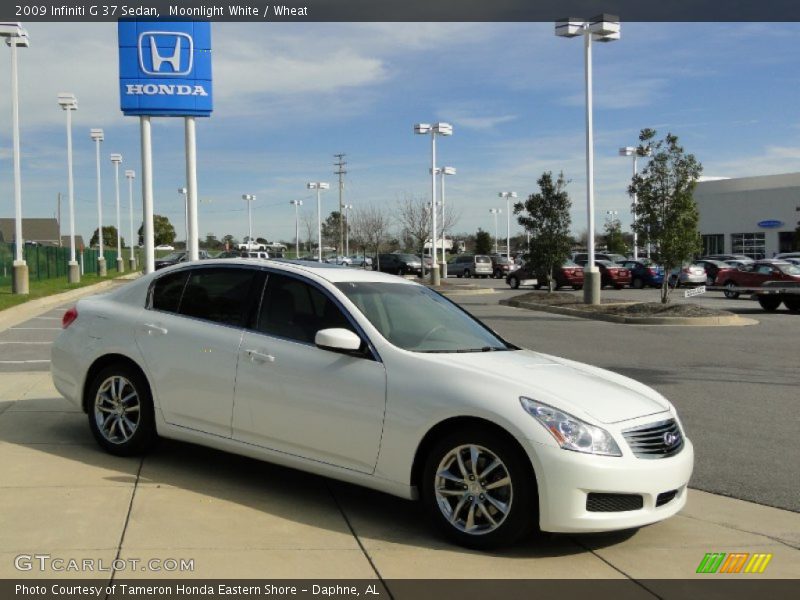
(769, 303)
(112, 419)
(637, 283)
(514, 283)
(577, 287)
(793, 304)
(519, 497)
(498, 274)
(401, 271)
(729, 293)
(467, 274)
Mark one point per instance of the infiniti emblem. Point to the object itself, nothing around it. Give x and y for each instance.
(670, 439)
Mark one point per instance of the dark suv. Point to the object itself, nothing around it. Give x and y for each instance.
(399, 264)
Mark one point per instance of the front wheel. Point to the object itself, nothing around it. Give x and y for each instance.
(729, 290)
(467, 274)
(769, 303)
(479, 489)
(514, 283)
(793, 304)
(120, 411)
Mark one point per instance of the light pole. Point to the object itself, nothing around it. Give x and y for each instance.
(611, 216)
(442, 171)
(249, 199)
(603, 28)
(508, 196)
(433, 130)
(68, 103)
(635, 153)
(184, 193)
(16, 36)
(131, 175)
(97, 136)
(347, 209)
(495, 212)
(319, 186)
(297, 204)
(116, 160)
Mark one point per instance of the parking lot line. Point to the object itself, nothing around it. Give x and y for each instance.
(22, 362)
(27, 343)
(36, 328)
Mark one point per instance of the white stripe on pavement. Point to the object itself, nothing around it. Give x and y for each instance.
(37, 328)
(21, 362)
(37, 343)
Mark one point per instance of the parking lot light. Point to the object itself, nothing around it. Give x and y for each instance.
(15, 37)
(319, 186)
(116, 160)
(130, 175)
(602, 28)
(297, 204)
(495, 212)
(249, 198)
(184, 193)
(347, 209)
(635, 153)
(68, 103)
(508, 196)
(97, 136)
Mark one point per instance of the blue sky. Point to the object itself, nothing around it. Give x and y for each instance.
(288, 96)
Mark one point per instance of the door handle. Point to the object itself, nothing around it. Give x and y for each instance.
(259, 357)
(155, 329)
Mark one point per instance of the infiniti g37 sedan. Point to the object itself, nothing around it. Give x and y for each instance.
(372, 379)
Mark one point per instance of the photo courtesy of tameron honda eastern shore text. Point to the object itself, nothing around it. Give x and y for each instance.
(376, 380)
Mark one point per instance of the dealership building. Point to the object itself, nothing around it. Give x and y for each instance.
(756, 216)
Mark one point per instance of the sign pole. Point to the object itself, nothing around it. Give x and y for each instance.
(191, 184)
(147, 195)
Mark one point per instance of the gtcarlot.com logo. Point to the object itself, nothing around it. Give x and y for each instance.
(58, 564)
(735, 562)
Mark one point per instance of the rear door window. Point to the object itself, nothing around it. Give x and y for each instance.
(167, 292)
(218, 295)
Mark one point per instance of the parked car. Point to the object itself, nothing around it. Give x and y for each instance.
(164, 248)
(583, 257)
(644, 272)
(787, 255)
(755, 275)
(726, 257)
(501, 266)
(255, 254)
(567, 274)
(377, 381)
(711, 268)
(737, 263)
(610, 273)
(362, 262)
(229, 254)
(470, 265)
(400, 264)
(178, 257)
(688, 274)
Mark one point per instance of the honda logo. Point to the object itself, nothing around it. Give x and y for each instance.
(166, 53)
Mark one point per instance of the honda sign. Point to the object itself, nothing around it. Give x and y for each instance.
(165, 68)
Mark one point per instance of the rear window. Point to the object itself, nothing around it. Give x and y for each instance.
(483, 259)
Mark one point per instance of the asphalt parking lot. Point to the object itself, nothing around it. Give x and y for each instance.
(235, 517)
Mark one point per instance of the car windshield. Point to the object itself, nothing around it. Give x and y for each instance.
(415, 318)
(408, 257)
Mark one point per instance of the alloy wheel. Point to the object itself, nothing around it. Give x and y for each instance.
(117, 409)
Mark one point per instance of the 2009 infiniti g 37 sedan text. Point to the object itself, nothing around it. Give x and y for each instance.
(379, 381)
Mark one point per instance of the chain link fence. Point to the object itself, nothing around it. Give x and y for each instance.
(51, 262)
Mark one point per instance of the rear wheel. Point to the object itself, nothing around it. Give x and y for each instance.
(729, 290)
(793, 304)
(513, 282)
(769, 303)
(479, 489)
(467, 274)
(120, 411)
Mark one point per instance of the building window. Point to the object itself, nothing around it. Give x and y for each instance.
(714, 244)
(787, 241)
(749, 244)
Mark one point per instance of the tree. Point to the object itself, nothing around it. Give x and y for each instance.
(666, 208)
(615, 239)
(371, 226)
(309, 222)
(109, 237)
(163, 231)
(548, 221)
(414, 220)
(483, 242)
(229, 241)
(330, 230)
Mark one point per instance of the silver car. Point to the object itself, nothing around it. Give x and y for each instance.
(471, 265)
(688, 274)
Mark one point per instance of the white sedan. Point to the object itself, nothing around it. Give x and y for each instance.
(378, 381)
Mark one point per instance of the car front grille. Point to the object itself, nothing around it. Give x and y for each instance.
(656, 440)
(596, 502)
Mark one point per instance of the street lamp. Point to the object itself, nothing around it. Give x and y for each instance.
(495, 212)
(185, 194)
(319, 186)
(249, 199)
(116, 159)
(130, 175)
(297, 204)
(347, 209)
(635, 153)
(442, 171)
(16, 36)
(433, 130)
(68, 103)
(508, 196)
(602, 28)
(98, 137)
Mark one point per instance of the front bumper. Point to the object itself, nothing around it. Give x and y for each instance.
(566, 478)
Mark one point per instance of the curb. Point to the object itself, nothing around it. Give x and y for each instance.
(719, 321)
(27, 310)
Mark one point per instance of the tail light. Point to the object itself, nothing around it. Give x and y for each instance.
(651, 271)
(69, 317)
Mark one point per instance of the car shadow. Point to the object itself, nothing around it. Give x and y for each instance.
(285, 493)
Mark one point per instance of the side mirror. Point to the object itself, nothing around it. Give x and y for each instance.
(337, 340)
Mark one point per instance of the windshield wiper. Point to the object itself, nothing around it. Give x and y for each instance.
(463, 350)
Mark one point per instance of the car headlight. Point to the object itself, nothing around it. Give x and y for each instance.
(570, 432)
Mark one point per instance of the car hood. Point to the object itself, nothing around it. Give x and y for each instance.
(572, 386)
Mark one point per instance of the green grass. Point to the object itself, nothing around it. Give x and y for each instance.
(48, 287)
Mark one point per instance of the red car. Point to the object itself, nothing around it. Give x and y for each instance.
(610, 273)
(567, 274)
(755, 275)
